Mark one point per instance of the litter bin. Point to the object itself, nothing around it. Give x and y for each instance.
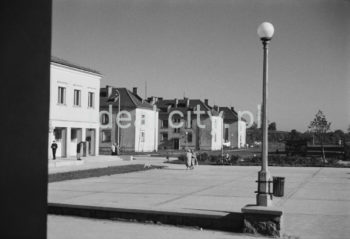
(278, 186)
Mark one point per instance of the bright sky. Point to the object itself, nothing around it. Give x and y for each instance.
(210, 49)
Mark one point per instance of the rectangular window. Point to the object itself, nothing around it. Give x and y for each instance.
(226, 134)
(106, 136)
(176, 130)
(91, 100)
(143, 119)
(189, 137)
(164, 136)
(61, 95)
(165, 124)
(77, 97)
(142, 136)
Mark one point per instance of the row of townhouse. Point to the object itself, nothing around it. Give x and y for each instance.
(81, 111)
(162, 124)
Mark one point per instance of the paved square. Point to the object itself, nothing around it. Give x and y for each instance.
(316, 202)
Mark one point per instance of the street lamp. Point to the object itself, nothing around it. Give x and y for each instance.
(118, 128)
(265, 32)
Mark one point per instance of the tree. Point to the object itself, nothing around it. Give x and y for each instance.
(349, 129)
(272, 126)
(338, 136)
(294, 135)
(319, 127)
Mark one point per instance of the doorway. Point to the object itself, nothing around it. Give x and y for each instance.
(91, 138)
(176, 144)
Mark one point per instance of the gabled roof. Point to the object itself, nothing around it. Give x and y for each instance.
(229, 114)
(66, 63)
(182, 105)
(129, 100)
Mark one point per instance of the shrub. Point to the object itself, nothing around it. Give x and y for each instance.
(214, 158)
(234, 159)
(182, 157)
(202, 157)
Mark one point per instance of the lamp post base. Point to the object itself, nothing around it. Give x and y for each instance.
(265, 221)
(264, 194)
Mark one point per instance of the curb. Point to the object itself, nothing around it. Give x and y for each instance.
(231, 222)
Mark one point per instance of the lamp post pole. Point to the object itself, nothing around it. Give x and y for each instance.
(265, 32)
(118, 128)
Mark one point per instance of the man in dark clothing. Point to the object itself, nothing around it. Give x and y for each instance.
(79, 146)
(54, 148)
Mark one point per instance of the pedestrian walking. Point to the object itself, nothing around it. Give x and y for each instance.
(227, 159)
(194, 161)
(117, 148)
(54, 147)
(113, 149)
(79, 148)
(188, 159)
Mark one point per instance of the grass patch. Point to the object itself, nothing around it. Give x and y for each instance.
(98, 172)
(274, 160)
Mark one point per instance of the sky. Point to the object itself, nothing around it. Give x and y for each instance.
(209, 49)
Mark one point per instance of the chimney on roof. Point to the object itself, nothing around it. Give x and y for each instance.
(206, 102)
(109, 90)
(154, 100)
(176, 102)
(232, 108)
(134, 90)
(187, 102)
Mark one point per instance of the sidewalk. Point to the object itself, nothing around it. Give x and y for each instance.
(316, 202)
(73, 227)
(101, 161)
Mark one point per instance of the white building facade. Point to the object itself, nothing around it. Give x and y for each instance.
(146, 130)
(74, 108)
(217, 132)
(141, 133)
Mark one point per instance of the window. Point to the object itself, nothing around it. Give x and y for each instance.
(143, 119)
(61, 95)
(164, 136)
(77, 97)
(91, 102)
(226, 134)
(104, 119)
(189, 137)
(142, 136)
(165, 124)
(176, 130)
(106, 136)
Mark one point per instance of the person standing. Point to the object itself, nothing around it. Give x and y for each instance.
(54, 148)
(79, 146)
(113, 148)
(194, 161)
(117, 148)
(188, 159)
